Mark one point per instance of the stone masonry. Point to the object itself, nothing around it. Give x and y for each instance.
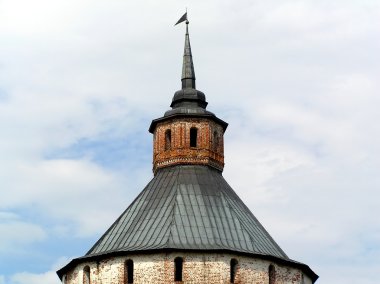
(200, 268)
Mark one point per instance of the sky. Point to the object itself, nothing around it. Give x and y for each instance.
(297, 81)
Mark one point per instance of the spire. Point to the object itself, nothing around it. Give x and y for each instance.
(188, 101)
(188, 74)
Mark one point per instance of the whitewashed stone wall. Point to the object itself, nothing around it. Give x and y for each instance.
(203, 268)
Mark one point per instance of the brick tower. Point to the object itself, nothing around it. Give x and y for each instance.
(187, 225)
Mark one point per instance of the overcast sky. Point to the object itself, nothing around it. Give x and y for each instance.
(297, 81)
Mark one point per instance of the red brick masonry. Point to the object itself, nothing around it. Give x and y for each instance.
(209, 149)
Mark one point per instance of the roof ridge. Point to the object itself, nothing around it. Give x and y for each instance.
(118, 219)
(257, 223)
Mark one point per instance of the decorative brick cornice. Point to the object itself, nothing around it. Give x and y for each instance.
(189, 161)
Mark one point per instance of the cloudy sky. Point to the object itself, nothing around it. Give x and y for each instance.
(297, 80)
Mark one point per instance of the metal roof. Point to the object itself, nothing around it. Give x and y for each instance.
(188, 73)
(187, 207)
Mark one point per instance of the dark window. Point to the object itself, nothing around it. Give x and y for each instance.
(128, 271)
(86, 275)
(215, 141)
(168, 139)
(178, 267)
(272, 274)
(193, 137)
(233, 270)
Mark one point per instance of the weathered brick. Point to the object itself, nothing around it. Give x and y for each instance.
(209, 149)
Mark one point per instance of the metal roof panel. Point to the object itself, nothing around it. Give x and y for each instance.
(187, 207)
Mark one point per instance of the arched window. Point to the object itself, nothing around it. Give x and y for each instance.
(272, 274)
(64, 279)
(168, 139)
(233, 270)
(215, 142)
(193, 137)
(178, 267)
(86, 275)
(128, 271)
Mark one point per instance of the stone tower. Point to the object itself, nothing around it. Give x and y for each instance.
(187, 225)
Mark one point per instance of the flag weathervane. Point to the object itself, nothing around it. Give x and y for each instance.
(182, 19)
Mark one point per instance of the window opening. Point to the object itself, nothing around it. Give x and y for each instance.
(86, 275)
(178, 267)
(215, 141)
(193, 137)
(128, 271)
(168, 139)
(272, 274)
(233, 270)
(64, 279)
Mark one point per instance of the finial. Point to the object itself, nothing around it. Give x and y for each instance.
(187, 27)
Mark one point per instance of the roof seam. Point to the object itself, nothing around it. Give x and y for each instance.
(172, 212)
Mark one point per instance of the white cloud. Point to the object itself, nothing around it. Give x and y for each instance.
(49, 277)
(78, 186)
(15, 233)
(252, 172)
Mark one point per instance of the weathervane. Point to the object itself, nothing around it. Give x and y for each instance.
(183, 18)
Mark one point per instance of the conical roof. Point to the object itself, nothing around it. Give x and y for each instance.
(187, 207)
(192, 208)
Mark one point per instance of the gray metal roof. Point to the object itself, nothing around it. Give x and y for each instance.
(187, 207)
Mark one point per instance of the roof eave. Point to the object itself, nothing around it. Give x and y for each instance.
(152, 126)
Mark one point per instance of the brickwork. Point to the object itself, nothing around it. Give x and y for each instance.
(200, 268)
(176, 149)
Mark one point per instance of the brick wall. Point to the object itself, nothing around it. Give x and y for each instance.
(202, 268)
(209, 149)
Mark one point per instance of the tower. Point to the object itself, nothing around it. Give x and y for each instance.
(187, 225)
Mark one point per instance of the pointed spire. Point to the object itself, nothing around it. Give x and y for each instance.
(188, 74)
